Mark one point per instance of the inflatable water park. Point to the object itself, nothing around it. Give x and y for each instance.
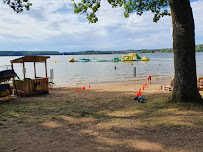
(130, 57)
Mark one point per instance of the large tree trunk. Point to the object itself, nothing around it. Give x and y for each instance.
(185, 87)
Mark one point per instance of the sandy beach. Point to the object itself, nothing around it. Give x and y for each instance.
(100, 119)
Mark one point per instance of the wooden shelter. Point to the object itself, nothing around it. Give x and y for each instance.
(28, 87)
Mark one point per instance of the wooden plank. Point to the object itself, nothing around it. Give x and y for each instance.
(46, 67)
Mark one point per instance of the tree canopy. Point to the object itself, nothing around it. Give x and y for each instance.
(157, 7)
(18, 5)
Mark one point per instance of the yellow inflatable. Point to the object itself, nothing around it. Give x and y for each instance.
(145, 58)
(72, 60)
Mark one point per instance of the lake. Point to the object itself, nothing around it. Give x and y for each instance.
(160, 67)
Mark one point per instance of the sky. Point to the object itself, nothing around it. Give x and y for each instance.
(53, 26)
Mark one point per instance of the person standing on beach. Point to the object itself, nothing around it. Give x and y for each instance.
(149, 79)
(172, 82)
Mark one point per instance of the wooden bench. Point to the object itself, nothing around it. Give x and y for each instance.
(200, 83)
(167, 88)
(5, 98)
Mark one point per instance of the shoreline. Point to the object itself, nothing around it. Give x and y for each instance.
(127, 89)
(132, 82)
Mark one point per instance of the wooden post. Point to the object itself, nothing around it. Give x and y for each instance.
(24, 69)
(14, 83)
(134, 71)
(46, 67)
(35, 69)
(12, 66)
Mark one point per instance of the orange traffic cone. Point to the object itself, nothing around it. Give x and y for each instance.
(143, 87)
(140, 94)
(83, 88)
(89, 86)
(77, 90)
(137, 94)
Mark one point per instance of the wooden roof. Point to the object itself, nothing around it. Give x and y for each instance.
(30, 59)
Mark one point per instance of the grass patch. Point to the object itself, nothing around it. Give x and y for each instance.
(84, 113)
(100, 114)
(155, 112)
(161, 113)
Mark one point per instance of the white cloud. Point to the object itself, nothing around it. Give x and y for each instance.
(52, 25)
(198, 18)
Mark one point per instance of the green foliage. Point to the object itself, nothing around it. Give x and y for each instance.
(199, 48)
(18, 5)
(83, 7)
(28, 53)
(157, 7)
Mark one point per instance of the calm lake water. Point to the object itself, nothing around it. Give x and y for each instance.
(160, 67)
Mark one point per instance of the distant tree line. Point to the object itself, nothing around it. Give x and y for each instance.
(157, 51)
(96, 52)
(27, 53)
(198, 48)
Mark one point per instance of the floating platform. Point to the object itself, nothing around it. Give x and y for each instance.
(84, 60)
(130, 57)
(102, 60)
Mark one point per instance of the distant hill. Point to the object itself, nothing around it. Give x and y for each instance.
(198, 48)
